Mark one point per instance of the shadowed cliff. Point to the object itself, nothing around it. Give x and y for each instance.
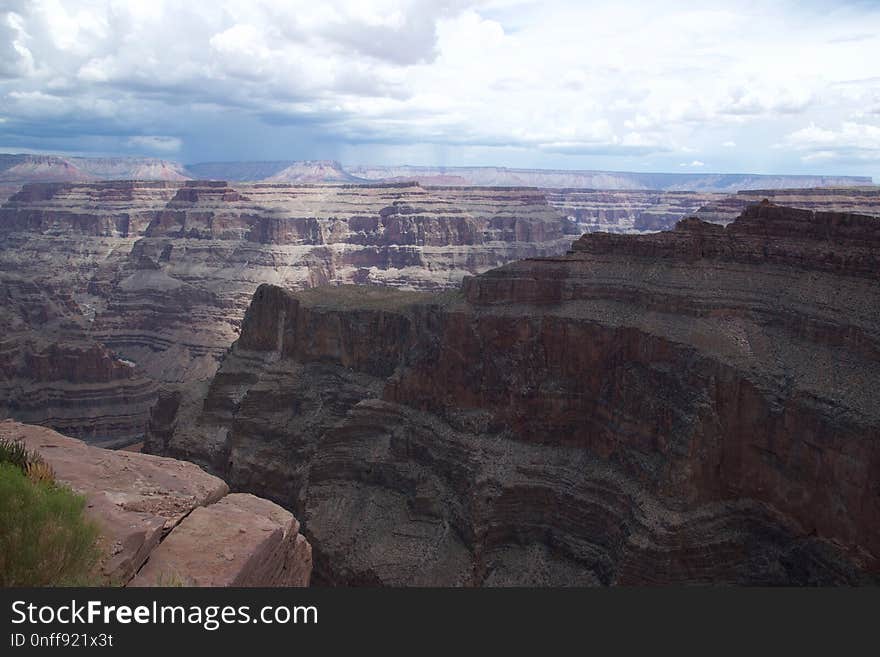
(693, 406)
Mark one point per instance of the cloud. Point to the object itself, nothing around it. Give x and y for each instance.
(16, 58)
(603, 83)
(695, 164)
(851, 141)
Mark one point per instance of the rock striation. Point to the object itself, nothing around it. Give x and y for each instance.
(860, 200)
(144, 284)
(630, 211)
(638, 211)
(58, 262)
(167, 522)
(696, 406)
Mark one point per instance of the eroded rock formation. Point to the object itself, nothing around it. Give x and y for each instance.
(630, 211)
(138, 284)
(864, 199)
(692, 406)
(635, 211)
(169, 523)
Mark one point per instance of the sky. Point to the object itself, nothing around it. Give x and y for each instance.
(759, 87)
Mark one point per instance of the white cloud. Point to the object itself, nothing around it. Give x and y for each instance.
(564, 80)
(695, 164)
(852, 141)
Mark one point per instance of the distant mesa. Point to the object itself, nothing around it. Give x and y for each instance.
(314, 171)
(132, 168)
(24, 168)
(40, 168)
(615, 180)
(53, 168)
(328, 171)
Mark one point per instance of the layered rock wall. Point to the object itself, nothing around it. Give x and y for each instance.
(629, 211)
(696, 406)
(134, 285)
(859, 200)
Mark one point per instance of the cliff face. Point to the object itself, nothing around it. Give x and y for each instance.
(60, 256)
(635, 211)
(168, 523)
(860, 200)
(630, 211)
(145, 283)
(694, 406)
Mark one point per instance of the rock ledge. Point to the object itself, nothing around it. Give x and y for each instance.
(168, 522)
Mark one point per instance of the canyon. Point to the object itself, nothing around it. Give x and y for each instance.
(638, 211)
(114, 288)
(460, 385)
(692, 406)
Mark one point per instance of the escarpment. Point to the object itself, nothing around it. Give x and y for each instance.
(640, 211)
(697, 406)
(859, 200)
(628, 211)
(146, 282)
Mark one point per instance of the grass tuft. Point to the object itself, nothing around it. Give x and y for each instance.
(45, 539)
(15, 453)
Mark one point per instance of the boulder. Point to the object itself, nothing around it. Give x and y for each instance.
(242, 540)
(141, 502)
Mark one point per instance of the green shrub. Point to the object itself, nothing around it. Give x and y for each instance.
(44, 538)
(31, 463)
(15, 453)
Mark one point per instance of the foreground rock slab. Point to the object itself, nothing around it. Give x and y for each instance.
(141, 501)
(242, 540)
